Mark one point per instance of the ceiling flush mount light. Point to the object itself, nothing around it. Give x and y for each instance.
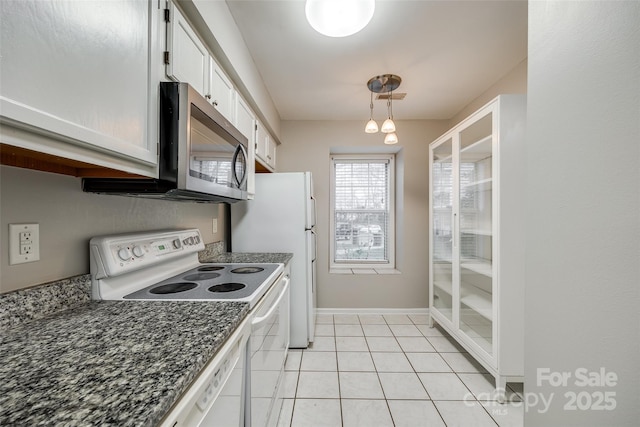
(339, 18)
(381, 84)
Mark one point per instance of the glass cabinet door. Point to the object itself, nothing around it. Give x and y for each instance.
(442, 232)
(475, 232)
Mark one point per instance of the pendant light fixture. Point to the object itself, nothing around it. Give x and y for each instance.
(381, 84)
(372, 126)
(339, 18)
(391, 138)
(388, 126)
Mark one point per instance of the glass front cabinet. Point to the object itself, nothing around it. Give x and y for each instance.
(476, 247)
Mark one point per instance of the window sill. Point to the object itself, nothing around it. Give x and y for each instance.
(353, 271)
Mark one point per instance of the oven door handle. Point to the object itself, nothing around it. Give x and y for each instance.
(256, 323)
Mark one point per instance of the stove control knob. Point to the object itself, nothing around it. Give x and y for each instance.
(177, 244)
(191, 241)
(196, 239)
(138, 251)
(124, 254)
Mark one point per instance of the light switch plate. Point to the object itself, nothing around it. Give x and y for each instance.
(24, 243)
(214, 225)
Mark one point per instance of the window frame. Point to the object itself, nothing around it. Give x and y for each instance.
(354, 265)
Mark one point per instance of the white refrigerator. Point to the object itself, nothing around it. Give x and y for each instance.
(281, 218)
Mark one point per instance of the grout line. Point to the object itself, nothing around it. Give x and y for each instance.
(340, 399)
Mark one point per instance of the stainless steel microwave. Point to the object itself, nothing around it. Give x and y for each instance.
(202, 156)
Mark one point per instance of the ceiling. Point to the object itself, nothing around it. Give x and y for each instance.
(446, 52)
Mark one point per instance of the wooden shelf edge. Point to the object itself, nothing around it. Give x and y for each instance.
(29, 159)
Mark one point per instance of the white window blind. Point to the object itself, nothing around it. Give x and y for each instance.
(362, 201)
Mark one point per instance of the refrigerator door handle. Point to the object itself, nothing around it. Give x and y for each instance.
(314, 245)
(314, 217)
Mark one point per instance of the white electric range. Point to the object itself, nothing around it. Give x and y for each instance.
(164, 266)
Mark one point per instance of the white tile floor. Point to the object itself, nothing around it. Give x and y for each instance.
(390, 370)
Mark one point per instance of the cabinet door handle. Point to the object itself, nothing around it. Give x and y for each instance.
(208, 96)
(455, 230)
(215, 103)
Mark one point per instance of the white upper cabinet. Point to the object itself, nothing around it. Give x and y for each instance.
(222, 94)
(262, 137)
(271, 152)
(78, 80)
(188, 58)
(265, 148)
(245, 120)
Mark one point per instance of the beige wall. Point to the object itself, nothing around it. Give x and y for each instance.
(306, 146)
(68, 218)
(515, 81)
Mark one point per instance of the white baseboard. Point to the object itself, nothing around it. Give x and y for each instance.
(372, 311)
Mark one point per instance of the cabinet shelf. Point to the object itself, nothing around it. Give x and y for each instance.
(477, 231)
(443, 286)
(479, 301)
(477, 186)
(483, 342)
(478, 150)
(477, 266)
(443, 159)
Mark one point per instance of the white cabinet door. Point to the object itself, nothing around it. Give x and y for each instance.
(76, 80)
(244, 119)
(188, 56)
(271, 152)
(262, 136)
(265, 148)
(222, 94)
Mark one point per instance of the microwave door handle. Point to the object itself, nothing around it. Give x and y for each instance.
(239, 181)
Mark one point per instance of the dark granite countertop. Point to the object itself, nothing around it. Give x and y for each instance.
(239, 257)
(69, 361)
(112, 363)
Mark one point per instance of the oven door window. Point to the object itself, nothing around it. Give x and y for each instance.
(214, 160)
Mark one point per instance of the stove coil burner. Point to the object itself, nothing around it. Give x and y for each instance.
(227, 287)
(201, 276)
(173, 288)
(247, 270)
(211, 268)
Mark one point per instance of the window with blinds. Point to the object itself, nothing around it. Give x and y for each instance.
(362, 218)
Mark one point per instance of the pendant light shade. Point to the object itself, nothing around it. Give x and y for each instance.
(339, 18)
(388, 126)
(391, 138)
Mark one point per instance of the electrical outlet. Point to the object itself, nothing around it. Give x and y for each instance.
(24, 243)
